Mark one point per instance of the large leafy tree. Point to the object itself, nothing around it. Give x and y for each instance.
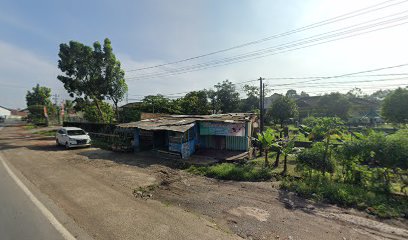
(195, 103)
(36, 100)
(291, 93)
(212, 96)
(334, 105)
(251, 103)
(156, 104)
(227, 96)
(39, 96)
(282, 109)
(395, 106)
(117, 92)
(91, 73)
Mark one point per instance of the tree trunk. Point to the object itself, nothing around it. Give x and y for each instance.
(277, 159)
(326, 150)
(116, 111)
(285, 165)
(99, 109)
(266, 158)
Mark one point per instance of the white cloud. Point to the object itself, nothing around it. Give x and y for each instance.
(20, 70)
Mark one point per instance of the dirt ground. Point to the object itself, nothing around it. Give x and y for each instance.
(138, 196)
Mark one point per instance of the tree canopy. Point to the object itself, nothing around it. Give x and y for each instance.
(39, 96)
(291, 93)
(395, 106)
(36, 100)
(334, 105)
(227, 96)
(251, 102)
(156, 104)
(195, 103)
(91, 73)
(282, 109)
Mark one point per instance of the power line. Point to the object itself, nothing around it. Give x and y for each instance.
(13, 86)
(344, 75)
(312, 79)
(282, 48)
(345, 16)
(338, 84)
(372, 87)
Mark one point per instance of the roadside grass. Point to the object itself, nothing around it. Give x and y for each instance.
(49, 133)
(348, 195)
(29, 126)
(253, 170)
(232, 171)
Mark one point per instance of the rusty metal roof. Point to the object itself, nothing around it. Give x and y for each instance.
(176, 125)
(181, 123)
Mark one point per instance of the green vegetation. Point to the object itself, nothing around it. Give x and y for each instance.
(231, 171)
(368, 173)
(30, 126)
(91, 113)
(129, 114)
(266, 139)
(349, 195)
(47, 132)
(395, 106)
(37, 100)
(101, 143)
(92, 73)
(281, 110)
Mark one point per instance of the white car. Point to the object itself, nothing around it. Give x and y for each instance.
(72, 137)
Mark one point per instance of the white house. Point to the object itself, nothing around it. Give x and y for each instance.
(4, 112)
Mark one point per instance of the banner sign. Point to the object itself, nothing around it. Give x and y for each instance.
(222, 129)
(45, 112)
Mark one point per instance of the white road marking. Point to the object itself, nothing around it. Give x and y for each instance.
(51, 218)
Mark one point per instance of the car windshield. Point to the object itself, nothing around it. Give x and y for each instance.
(75, 132)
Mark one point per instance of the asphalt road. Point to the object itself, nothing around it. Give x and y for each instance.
(19, 217)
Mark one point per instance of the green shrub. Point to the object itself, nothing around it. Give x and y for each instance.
(349, 195)
(313, 158)
(230, 171)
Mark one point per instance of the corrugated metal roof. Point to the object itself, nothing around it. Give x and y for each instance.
(181, 123)
(176, 125)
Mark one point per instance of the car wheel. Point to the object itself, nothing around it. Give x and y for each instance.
(67, 145)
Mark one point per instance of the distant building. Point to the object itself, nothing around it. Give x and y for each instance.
(185, 134)
(19, 113)
(5, 112)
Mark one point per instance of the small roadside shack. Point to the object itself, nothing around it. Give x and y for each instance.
(185, 134)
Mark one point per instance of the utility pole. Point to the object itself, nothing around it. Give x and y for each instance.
(55, 97)
(260, 112)
(261, 104)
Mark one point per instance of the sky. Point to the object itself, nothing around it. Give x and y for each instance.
(152, 32)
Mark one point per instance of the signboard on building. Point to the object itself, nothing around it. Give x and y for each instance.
(222, 129)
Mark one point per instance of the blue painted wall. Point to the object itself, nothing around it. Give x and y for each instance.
(136, 140)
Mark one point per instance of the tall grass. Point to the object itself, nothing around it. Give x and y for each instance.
(349, 195)
(230, 171)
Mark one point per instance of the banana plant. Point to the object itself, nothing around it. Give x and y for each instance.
(266, 139)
